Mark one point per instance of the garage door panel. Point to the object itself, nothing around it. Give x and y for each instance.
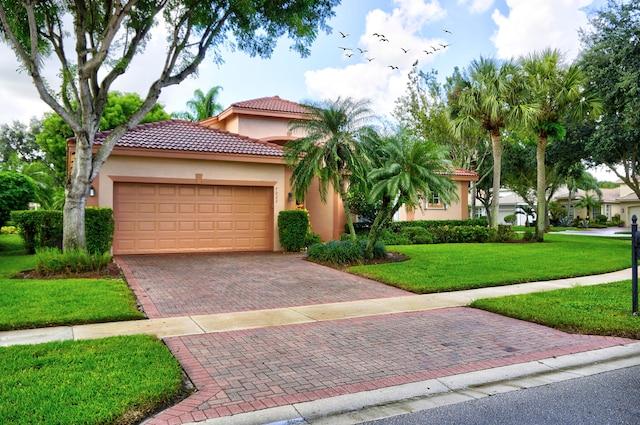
(186, 218)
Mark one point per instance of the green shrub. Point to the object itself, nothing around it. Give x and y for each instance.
(343, 252)
(8, 230)
(293, 226)
(99, 228)
(311, 239)
(510, 219)
(43, 228)
(389, 237)
(504, 234)
(601, 219)
(418, 235)
(52, 261)
(528, 235)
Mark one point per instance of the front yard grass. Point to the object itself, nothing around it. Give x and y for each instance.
(593, 310)
(109, 381)
(117, 380)
(454, 267)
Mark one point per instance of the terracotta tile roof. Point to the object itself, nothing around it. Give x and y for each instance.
(274, 104)
(181, 135)
(463, 172)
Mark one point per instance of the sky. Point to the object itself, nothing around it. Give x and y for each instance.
(368, 53)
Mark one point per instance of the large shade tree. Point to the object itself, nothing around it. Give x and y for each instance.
(555, 91)
(611, 61)
(329, 148)
(487, 95)
(93, 44)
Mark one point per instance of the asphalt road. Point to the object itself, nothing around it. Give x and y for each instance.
(605, 398)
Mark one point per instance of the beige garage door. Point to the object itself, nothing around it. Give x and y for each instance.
(155, 218)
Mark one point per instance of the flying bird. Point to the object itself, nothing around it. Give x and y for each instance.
(343, 34)
(362, 51)
(369, 59)
(383, 39)
(349, 55)
(447, 31)
(393, 67)
(415, 63)
(345, 48)
(404, 50)
(434, 49)
(444, 46)
(378, 35)
(428, 52)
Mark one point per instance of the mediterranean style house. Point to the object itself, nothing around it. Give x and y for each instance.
(218, 185)
(619, 201)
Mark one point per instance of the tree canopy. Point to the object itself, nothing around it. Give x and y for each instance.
(611, 61)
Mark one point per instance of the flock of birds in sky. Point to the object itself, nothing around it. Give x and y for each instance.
(349, 51)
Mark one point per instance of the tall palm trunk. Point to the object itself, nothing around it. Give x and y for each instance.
(541, 186)
(347, 208)
(496, 145)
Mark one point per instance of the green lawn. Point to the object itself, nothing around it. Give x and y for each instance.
(109, 381)
(596, 310)
(452, 267)
(116, 380)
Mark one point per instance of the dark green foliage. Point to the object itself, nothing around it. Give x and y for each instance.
(504, 234)
(99, 227)
(312, 238)
(42, 228)
(39, 228)
(510, 219)
(427, 224)
(343, 252)
(16, 191)
(293, 226)
(418, 235)
(601, 219)
(390, 237)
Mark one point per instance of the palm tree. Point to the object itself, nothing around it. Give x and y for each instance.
(329, 148)
(555, 92)
(580, 178)
(407, 171)
(202, 106)
(487, 95)
(589, 202)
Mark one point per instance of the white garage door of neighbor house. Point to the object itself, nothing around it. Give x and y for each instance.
(157, 218)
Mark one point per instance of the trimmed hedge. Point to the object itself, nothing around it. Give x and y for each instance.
(427, 224)
(343, 252)
(293, 226)
(42, 228)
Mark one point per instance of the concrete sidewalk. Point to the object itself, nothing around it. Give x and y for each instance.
(225, 322)
(510, 361)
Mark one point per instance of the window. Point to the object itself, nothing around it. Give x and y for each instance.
(435, 202)
(607, 211)
(434, 199)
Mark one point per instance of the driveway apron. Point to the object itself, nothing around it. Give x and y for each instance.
(255, 369)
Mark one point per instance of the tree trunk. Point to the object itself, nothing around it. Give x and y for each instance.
(496, 145)
(474, 193)
(76, 192)
(541, 187)
(347, 209)
(384, 215)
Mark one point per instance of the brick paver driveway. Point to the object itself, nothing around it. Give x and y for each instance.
(189, 284)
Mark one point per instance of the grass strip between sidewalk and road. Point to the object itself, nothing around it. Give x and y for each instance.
(455, 267)
(108, 381)
(591, 310)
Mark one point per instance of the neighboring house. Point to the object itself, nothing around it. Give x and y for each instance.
(510, 203)
(217, 185)
(620, 201)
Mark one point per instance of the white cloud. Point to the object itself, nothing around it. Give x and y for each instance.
(371, 76)
(536, 25)
(477, 6)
